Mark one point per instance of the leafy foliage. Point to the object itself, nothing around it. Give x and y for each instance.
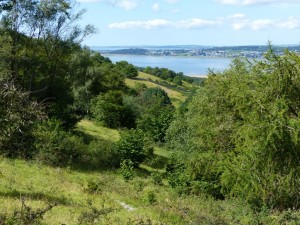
(109, 109)
(156, 114)
(167, 74)
(56, 146)
(126, 69)
(131, 146)
(242, 130)
(17, 116)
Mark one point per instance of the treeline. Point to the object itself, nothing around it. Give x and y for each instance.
(170, 75)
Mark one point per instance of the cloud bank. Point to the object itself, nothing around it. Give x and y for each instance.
(124, 4)
(258, 2)
(161, 23)
(240, 21)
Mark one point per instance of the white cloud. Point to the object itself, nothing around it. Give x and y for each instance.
(151, 24)
(171, 1)
(239, 22)
(258, 2)
(237, 16)
(156, 7)
(159, 23)
(196, 23)
(125, 4)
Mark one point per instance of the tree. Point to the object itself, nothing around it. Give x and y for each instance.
(243, 130)
(92, 74)
(177, 80)
(156, 114)
(42, 37)
(109, 109)
(131, 146)
(127, 70)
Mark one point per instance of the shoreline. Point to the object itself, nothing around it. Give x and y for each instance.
(171, 56)
(197, 75)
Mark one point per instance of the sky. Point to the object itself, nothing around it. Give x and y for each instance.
(192, 22)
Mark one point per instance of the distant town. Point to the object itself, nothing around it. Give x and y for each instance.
(200, 51)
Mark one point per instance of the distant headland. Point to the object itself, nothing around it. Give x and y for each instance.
(252, 51)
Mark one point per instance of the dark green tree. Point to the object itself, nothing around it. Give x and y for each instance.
(156, 113)
(241, 131)
(131, 146)
(126, 69)
(109, 109)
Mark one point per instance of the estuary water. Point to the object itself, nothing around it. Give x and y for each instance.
(190, 66)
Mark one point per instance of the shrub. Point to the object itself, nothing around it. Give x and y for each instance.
(17, 116)
(149, 197)
(131, 146)
(102, 154)
(55, 146)
(109, 109)
(26, 214)
(126, 169)
(157, 178)
(93, 215)
(156, 114)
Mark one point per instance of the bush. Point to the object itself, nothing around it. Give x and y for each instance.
(149, 197)
(243, 126)
(156, 114)
(131, 146)
(55, 146)
(17, 116)
(126, 169)
(102, 154)
(157, 178)
(109, 109)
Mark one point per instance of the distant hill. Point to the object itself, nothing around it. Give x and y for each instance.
(131, 51)
(251, 51)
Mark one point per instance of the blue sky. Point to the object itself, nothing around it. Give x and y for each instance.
(192, 22)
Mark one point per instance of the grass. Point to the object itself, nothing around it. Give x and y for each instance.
(77, 193)
(177, 96)
(91, 130)
(81, 197)
(41, 185)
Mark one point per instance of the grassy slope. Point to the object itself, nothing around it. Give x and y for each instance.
(72, 190)
(89, 128)
(177, 96)
(41, 185)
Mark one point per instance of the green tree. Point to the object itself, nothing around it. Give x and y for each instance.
(245, 123)
(43, 34)
(92, 74)
(127, 70)
(177, 80)
(131, 146)
(109, 109)
(156, 113)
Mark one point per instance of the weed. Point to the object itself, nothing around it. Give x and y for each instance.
(92, 215)
(126, 169)
(150, 198)
(157, 178)
(25, 215)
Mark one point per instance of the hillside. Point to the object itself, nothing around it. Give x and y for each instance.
(104, 197)
(177, 94)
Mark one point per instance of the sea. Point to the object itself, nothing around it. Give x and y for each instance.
(190, 66)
